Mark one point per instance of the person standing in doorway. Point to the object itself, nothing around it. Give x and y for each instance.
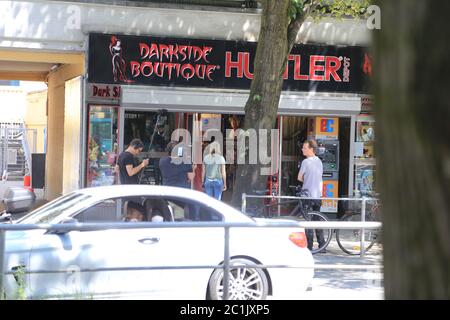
(128, 170)
(310, 174)
(174, 172)
(214, 175)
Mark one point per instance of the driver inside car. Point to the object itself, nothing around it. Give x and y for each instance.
(135, 212)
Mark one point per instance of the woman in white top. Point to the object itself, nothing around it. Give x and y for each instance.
(213, 172)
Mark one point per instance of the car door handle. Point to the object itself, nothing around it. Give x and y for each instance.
(148, 240)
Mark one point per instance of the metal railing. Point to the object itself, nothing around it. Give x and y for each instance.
(197, 3)
(66, 227)
(16, 137)
(363, 201)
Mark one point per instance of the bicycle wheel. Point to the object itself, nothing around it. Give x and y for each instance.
(255, 212)
(279, 209)
(322, 236)
(349, 240)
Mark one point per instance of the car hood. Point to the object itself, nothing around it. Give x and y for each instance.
(16, 235)
(20, 241)
(23, 237)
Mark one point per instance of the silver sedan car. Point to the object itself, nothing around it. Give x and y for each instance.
(160, 262)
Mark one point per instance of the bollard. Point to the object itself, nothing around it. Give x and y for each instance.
(226, 265)
(2, 262)
(27, 182)
(363, 219)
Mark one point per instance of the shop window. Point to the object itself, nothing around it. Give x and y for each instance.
(154, 129)
(365, 155)
(102, 146)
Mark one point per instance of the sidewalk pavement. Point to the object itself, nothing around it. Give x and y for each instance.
(347, 284)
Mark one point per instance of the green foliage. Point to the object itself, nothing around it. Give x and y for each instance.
(335, 8)
(295, 8)
(342, 8)
(19, 275)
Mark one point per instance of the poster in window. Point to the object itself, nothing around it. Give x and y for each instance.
(366, 180)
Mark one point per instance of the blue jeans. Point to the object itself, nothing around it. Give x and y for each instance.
(214, 188)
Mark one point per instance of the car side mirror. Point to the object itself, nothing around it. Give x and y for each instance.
(69, 220)
(64, 221)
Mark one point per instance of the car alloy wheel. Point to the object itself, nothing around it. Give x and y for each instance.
(245, 283)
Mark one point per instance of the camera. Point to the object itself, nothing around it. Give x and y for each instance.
(180, 152)
(161, 118)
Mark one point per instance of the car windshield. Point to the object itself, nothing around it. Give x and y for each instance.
(47, 213)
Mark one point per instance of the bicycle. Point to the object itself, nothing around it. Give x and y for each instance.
(303, 211)
(259, 211)
(349, 240)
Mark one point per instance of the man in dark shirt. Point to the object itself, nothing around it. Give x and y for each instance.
(127, 168)
(174, 172)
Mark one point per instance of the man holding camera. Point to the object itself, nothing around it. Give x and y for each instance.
(128, 170)
(174, 172)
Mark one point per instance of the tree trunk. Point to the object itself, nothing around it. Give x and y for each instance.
(411, 55)
(262, 105)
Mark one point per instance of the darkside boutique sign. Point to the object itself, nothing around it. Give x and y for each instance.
(156, 61)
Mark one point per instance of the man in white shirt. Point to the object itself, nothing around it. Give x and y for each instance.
(310, 174)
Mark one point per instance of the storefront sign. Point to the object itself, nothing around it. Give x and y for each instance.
(327, 128)
(103, 91)
(160, 61)
(330, 190)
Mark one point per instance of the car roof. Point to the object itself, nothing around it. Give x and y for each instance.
(114, 191)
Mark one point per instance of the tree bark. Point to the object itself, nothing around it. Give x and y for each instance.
(411, 83)
(262, 105)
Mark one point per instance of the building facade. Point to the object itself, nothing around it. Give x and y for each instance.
(122, 71)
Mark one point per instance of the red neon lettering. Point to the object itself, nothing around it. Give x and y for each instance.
(332, 66)
(206, 51)
(209, 70)
(154, 51)
(177, 69)
(149, 65)
(164, 51)
(313, 68)
(187, 71)
(170, 67)
(233, 64)
(297, 70)
(198, 53)
(159, 66)
(200, 73)
(182, 50)
(247, 72)
(189, 50)
(173, 52)
(144, 49)
(134, 68)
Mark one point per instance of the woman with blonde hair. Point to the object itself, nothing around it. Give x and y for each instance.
(213, 172)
